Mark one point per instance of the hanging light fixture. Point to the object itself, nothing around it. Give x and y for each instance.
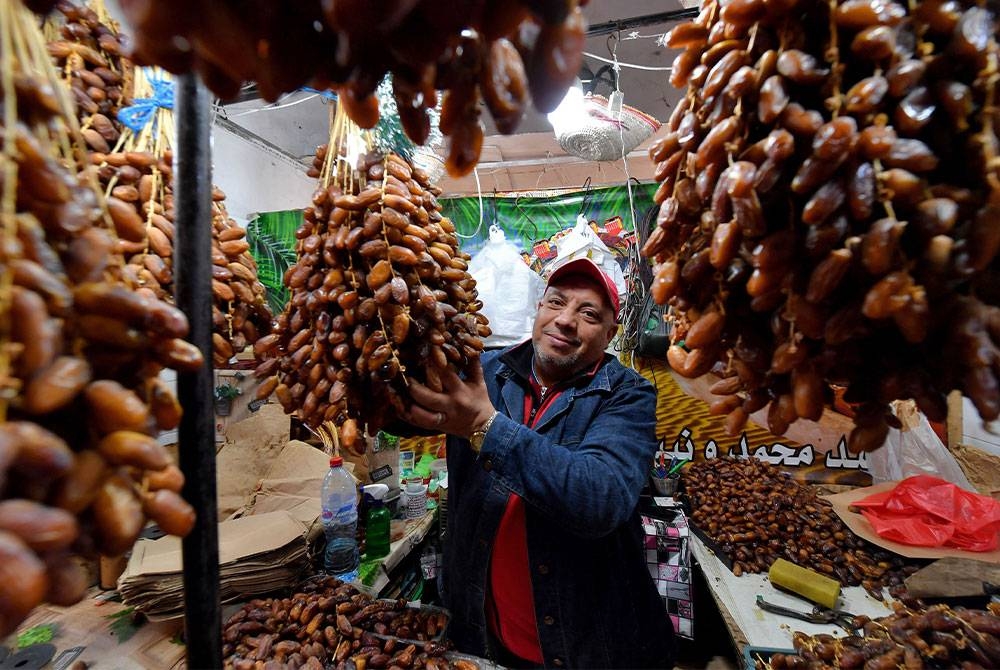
(596, 128)
(570, 113)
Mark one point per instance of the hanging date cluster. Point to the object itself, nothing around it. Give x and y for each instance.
(936, 637)
(140, 189)
(829, 206)
(89, 59)
(141, 203)
(493, 51)
(380, 294)
(80, 351)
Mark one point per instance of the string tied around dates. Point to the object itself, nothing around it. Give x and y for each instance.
(137, 116)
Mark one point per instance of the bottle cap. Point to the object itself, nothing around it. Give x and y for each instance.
(336, 461)
(415, 485)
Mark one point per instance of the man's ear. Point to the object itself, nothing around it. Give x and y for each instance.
(612, 331)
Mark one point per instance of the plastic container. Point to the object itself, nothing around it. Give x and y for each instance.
(406, 463)
(438, 467)
(763, 654)
(339, 499)
(666, 486)
(475, 661)
(415, 496)
(376, 522)
(443, 506)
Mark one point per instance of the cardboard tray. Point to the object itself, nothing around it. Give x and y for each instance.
(711, 545)
(859, 524)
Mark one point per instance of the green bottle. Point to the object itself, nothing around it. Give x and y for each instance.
(376, 522)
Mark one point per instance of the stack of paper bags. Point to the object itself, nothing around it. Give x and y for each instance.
(292, 483)
(257, 554)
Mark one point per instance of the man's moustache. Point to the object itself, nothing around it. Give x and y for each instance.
(571, 340)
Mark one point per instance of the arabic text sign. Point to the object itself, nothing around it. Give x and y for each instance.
(810, 451)
(775, 453)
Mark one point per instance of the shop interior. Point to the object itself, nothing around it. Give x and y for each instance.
(232, 233)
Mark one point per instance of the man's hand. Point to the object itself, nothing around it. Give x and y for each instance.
(459, 409)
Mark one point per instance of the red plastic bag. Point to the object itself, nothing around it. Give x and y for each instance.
(925, 511)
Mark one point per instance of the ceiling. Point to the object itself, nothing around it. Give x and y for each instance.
(530, 159)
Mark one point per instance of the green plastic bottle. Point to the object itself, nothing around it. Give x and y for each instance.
(377, 522)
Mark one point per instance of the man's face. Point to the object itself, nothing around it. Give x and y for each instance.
(572, 329)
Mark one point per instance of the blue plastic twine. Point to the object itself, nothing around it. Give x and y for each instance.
(141, 112)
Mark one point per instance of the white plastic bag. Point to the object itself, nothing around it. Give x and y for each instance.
(914, 450)
(583, 242)
(509, 289)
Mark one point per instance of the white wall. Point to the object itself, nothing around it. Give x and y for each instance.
(255, 178)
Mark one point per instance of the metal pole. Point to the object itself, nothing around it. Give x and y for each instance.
(618, 25)
(196, 435)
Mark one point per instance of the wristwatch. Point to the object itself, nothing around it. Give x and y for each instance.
(479, 435)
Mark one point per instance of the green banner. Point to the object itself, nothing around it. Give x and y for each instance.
(272, 244)
(527, 220)
(530, 219)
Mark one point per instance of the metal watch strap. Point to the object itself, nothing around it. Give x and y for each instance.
(489, 422)
(478, 435)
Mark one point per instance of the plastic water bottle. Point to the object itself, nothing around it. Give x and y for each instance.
(340, 522)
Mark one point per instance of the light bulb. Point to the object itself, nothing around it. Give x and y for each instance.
(570, 110)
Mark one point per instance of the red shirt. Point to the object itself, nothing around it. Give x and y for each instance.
(510, 603)
(512, 618)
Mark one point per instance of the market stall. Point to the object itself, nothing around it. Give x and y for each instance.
(207, 401)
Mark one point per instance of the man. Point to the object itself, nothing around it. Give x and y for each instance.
(550, 442)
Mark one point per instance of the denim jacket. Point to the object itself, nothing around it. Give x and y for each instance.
(579, 471)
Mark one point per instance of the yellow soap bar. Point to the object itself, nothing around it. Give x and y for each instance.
(805, 582)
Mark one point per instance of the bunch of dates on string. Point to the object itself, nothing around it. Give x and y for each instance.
(499, 52)
(756, 514)
(380, 294)
(918, 637)
(829, 203)
(89, 58)
(80, 353)
(141, 203)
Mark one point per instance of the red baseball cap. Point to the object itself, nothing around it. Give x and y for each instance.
(587, 268)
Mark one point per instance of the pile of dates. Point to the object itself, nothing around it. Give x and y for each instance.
(493, 51)
(380, 294)
(89, 58)
(141, 204)
(80, 354)
(829, 198)
(139, 187)
(329, 624)
(934, 637)
(755, 513)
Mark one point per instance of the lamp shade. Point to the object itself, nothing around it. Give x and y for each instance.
(591, 127)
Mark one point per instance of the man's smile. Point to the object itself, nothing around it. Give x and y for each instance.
(561, 341)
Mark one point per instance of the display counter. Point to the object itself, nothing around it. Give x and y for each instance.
(375, 574)
(751, 626)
